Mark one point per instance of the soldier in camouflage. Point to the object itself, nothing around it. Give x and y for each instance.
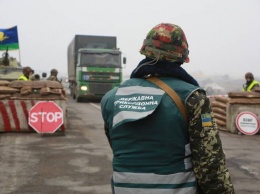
(155, 149)
(53, 75)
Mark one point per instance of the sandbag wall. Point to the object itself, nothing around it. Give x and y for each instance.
(18, 97)
(219, 108)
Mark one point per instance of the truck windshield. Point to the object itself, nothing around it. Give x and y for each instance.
(100, 60)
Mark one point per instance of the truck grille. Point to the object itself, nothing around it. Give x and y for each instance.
(100, 76)
(100, 88)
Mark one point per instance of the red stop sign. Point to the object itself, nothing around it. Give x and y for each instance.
(45, 117)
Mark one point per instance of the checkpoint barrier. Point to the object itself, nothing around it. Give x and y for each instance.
(242, 102)
(14, 115)
(228, 108)
(18, 97)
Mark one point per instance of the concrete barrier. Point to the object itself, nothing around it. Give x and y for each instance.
(14, 115)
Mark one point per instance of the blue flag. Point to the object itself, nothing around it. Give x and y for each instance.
(9, 38)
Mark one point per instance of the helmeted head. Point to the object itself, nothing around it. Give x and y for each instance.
(27, 71)
(54, 72)
(249, 76)
(166, 42)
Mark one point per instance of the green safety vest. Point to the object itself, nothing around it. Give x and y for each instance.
(24, 78)
(249, 88)
(149, 138)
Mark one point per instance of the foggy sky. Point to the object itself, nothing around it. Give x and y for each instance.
(223, 35)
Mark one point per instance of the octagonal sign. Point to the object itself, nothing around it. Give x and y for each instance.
(45, 117)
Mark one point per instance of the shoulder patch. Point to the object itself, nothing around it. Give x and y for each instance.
(206, 120)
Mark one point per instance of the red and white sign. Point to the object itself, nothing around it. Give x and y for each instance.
(247, 123)
(45, 117)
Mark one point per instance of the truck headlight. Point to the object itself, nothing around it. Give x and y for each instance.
(84, 88)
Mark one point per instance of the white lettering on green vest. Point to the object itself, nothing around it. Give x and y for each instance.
(135, 102)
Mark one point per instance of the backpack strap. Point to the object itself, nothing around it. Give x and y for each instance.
(174, 96)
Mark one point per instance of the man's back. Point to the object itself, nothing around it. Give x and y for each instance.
(153, 133)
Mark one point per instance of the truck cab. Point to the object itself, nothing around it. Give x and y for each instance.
(94, 66)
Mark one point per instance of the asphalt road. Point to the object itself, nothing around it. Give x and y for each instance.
(76, 162)
(79, 160)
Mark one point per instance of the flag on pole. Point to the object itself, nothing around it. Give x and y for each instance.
(9, 38)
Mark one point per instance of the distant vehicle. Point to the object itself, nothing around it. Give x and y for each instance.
(10, 68)
(94, 66)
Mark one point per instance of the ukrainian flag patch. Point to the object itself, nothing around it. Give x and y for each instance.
(206, 120)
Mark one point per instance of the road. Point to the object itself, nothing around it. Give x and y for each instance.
(79, 160)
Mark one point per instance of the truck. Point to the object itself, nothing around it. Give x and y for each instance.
(94, 66)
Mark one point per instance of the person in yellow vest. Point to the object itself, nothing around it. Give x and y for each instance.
(27, 71)
(251, 83)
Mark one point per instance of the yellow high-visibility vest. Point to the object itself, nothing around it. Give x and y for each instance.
(24, 78)
(249, 88)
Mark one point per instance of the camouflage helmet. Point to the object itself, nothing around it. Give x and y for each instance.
(249, 75)
(54, 71)
(166, 42)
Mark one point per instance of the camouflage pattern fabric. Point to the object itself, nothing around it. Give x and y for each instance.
(207, 155)
(53, 78)
(166, 42)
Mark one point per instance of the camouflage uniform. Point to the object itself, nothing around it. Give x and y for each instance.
(207, 154)
(53, 76)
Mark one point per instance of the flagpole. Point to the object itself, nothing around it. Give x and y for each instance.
(20, 57)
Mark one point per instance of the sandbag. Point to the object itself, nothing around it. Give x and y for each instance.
(244, 101)
(220, 116)
(26, 90)
(219, 104)
(222, 99)
(220, 122)
(244, 95)
(4, 83)
(219, 110)
(45, 91)
(56, 91)
(53, 84)
(19, 84)
(7, 90)
(4, 96)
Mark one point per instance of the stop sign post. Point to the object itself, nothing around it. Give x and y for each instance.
(45, 117)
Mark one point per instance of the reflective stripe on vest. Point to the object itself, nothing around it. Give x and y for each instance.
(147, 183)
(120, 190)
(251, 85)
(142, 183)
(135, 102)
